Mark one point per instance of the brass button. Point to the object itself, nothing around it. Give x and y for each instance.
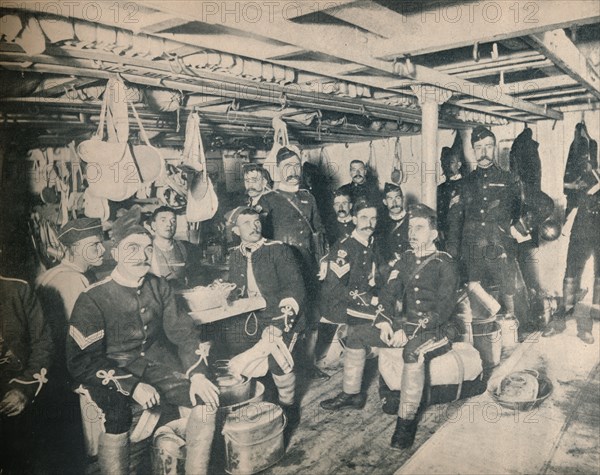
(142, 353)
(418, 302)
(143, 310)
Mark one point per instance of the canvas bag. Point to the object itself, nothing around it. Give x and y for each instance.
(202, 201)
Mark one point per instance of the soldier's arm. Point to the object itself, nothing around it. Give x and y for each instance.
(455, 221)
(86, 354)
(41, 346)
(447, 286)
(291, 289)
(182, 332)
(392, 291)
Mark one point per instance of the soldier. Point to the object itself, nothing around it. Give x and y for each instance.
(119, 346)
(257, 182)
(480, 221)
(348, 295)
(360, 187)
(169, 256)
(25, 356)
(265, 268)
(343, 226)
(583, 243)
(290, 215)
(392, 228)
(451, 166)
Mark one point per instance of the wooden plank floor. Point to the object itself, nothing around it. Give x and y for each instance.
(561, 436)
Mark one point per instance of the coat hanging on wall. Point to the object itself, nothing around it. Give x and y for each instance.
(583, 154)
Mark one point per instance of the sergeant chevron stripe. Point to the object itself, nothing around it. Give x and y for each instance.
(84, 341)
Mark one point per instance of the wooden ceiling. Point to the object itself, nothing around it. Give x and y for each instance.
(338, 71)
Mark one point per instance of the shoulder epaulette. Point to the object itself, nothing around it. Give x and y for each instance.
(100, 282)
(271, 242)
(10, 279)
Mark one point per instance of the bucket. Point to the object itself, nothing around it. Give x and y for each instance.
(509, 327)
(464, 316)
(487, 339)
(253, 438)
(483, 305)
(233, 389)
(168, 452)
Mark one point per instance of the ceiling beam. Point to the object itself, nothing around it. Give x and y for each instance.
(346, 44)
(567, 57)
(461, 25)
(370, 16)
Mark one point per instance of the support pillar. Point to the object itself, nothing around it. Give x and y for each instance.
(430, 98)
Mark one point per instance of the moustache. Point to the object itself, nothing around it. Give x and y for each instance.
(292, 177)
(367, 228)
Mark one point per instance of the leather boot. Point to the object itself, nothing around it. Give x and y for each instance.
(404, 433)
(199, 433)
(113, 454)
(595, 310)
(558, 324)
(411, 390)
(292, 416)
(354, 366)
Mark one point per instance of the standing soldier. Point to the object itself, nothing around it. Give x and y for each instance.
(480, 221)
(348, 296)
(361, 187)
(257, 182)
(451, 166)
(583, 243)
(343, 226)
(392, 228)
(291, 216)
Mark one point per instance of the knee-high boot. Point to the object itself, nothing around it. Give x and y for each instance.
(558, 325)
(411, 392)
(595, 310)
(286, 389)
(113, 454)
(199, 433)
(351, 396)
(312, 371)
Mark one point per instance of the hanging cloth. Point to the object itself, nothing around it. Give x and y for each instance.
(396, 175)
(280, 140)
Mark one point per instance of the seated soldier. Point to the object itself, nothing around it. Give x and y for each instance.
(265, 268)
(424, 283)
(169, 257)
(119, 345)
(25, 356)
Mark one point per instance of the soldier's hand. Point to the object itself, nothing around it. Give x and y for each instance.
(399, 339)
(203, 387)
(385, 332)
(146, 396)
(13, 403)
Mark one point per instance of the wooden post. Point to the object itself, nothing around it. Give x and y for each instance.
(430, 98)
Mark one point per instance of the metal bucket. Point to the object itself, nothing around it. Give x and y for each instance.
(509, 328)
(487, 339)
(254, 438)
(168, 453)
(232, 389)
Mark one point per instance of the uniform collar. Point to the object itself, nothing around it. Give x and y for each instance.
(456, 177)
(249, 248)
(71, 265)
(400, 217)
(364, 242)
(124, 281)
(345, 220)
(288, 188)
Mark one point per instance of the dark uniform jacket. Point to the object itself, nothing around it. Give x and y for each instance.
(116, 331)
(392, 237)
(581, 152)
(426, 294)
(339, 230)
(445, 193)
(278, 279)
(350, 283)
(367, 190)
(25, 340)
(484, 211)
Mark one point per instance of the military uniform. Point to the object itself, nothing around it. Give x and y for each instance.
(25, 357)
(339, 229)
(392, 238)
(445, 194)
(268, 269)
(350, 283)
(171, 264)
(121, 334)
(479, 225)
(367, 191)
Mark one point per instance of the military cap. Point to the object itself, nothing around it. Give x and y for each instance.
(284, 153)
(79, 229)
(232, 216)
(480, 133)
(362, 203)
(128, 224)
(389, 187)
(420, 210)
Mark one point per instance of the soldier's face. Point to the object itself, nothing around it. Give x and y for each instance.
(484, 152)
(92, 250)
(358, 172)
(133, 256)
(254, 183)
(248, 228)
(165, 225)
(365, 222)
(420, 234)
(291, 170)
(342, 206)
(394, 202)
